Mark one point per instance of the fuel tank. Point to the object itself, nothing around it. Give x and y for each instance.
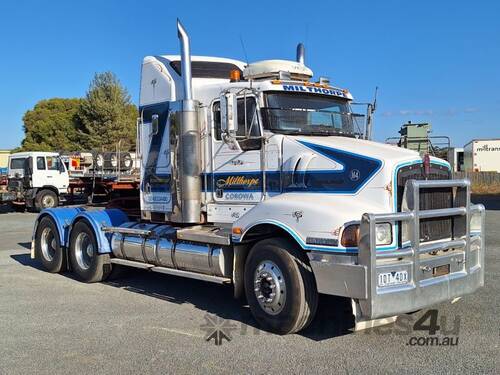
(162, 248)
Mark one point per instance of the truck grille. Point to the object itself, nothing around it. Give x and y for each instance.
(14, 184)
(436, 228)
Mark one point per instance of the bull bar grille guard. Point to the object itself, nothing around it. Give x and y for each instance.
(465, 275)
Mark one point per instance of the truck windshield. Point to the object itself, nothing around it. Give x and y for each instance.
(305, 114)
(17, 163)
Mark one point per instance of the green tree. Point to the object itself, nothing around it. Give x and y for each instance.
(107, 115)
(52, 125)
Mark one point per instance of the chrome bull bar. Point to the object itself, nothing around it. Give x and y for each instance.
(423, 288)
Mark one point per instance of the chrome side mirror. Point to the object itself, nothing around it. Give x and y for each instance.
(229, 114)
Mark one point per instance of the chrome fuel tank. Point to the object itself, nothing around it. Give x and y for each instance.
(160, 247)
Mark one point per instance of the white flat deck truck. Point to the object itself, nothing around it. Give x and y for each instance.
(256, 176)
(36, 180)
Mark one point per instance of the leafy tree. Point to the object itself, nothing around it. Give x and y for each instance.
(52, 125)
(107, 115)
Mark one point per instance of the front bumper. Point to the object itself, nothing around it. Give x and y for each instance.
(463, 256)
(7, 196)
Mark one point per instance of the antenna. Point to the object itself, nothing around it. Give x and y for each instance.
(374, 106)
(244, 49)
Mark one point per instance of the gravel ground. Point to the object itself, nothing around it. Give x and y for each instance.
(152, 323)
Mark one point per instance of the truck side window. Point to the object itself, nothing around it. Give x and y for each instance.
(251, 128)
(247, 125)
(217, 121)
(40, 163)
(52, 163)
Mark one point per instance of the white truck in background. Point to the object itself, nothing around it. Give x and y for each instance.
(35, 180)
(256, 176)
(41, 180)
(482, 155)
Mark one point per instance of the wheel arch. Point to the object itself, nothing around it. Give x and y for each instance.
(96, 220)
(266, 229)
(62, 218)
(48, 187)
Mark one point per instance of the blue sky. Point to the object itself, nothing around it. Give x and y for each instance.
(436, 61)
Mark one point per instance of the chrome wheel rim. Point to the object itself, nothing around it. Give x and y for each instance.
(84, 250)
(269, 287)
(48, 244)
(48, 201)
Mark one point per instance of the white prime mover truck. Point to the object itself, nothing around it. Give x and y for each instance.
(253, 175)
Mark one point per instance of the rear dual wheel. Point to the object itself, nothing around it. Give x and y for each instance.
(86, 262)
(47, 246)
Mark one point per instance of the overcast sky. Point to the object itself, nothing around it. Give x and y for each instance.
(434, 61)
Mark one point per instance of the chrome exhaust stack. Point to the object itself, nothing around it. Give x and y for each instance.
(301, 53)
(188, 152)
(185, 61)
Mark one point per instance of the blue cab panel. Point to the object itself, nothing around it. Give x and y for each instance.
(65, 218)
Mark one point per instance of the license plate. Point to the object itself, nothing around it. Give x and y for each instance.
(392, 278)
(441, 270)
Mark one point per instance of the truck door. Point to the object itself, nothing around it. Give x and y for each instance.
(53, 173)
(156, 169)
(237, 172)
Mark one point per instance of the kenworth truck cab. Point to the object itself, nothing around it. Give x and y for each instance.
(254, 175)
(36, 180)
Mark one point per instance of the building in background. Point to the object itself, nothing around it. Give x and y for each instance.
(482, 155)
(4, 160)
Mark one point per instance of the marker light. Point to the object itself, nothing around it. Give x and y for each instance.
(350, 236)
(235, 75)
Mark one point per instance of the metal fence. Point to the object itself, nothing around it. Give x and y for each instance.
(479, 178)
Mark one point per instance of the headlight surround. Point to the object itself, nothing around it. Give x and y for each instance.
(350, 235)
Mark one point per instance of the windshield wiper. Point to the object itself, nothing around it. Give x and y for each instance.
(286, 131)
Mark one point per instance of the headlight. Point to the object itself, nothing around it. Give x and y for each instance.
(383, 233)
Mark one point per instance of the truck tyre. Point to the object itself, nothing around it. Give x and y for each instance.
(46, 199)
(47, 246)
(87, 264)
(280, 286)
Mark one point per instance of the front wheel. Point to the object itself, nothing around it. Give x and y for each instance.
(86, 262)
(280, 286)
(46, 199)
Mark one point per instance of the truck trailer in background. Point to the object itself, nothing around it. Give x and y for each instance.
(482, 155)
